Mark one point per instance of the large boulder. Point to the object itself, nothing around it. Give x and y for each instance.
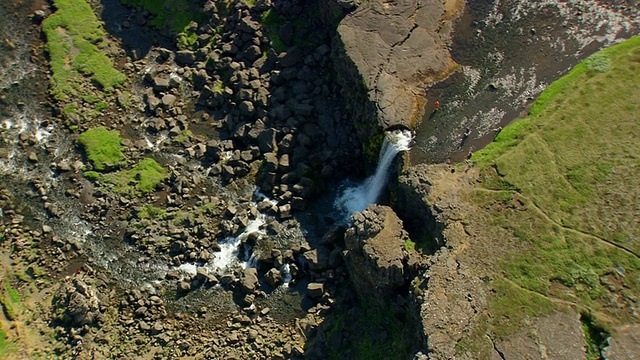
(249, 281)
(376, 257)
(75, 304)
(398, 48)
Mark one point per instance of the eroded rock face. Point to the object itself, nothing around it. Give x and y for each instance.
(76, 304)
(625, 344)
(399, 47)
(376, 257)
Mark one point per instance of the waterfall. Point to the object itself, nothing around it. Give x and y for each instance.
(357, 198)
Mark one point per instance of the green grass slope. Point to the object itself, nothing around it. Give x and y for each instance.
(560, 195)
(75, 41)
(82, 73)
(577, 156)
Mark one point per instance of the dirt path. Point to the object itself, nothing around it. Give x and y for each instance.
(564, 227)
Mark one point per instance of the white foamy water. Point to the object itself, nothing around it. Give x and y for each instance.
(155, 146)
(357, 198)
(13, 158)
(227, 257)
(286, 275)
(189, 269)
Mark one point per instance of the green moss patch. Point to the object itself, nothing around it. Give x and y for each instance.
(102, 147)
(7, 347)
(143, 178)
(272, 22)
(151, 212)
(76, 42)
(10, 301)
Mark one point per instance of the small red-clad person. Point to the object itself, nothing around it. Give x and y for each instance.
(436, 107)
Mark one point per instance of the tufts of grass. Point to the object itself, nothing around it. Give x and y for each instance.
(102, 147)
(188, 40)
(75, 39)
(512, 306)
(598, 62)
(143, 178)
(7, 348)
(183, 218)
(409, 245)
(175, 15)
(272, 22)
(10, 301)
(597, 337)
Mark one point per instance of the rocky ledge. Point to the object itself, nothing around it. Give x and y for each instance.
(399, 48)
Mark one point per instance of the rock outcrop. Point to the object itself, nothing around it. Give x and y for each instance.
(456, 291)
(376, 258)
(76, 304)
(398, 48)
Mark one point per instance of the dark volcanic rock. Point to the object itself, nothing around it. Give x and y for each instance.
(398, 48)
(249, 281)
(76, 304)
(376, 258)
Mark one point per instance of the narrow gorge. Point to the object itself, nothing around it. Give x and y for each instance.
(288, 179)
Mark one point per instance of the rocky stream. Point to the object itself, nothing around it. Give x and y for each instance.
(241, 251)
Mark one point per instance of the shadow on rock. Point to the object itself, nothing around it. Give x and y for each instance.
(131, 27)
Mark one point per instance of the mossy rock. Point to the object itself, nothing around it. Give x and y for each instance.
(76, 43)
(143, 178)
(103, 148)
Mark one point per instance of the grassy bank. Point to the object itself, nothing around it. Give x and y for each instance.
(76, 43)
(559, 197)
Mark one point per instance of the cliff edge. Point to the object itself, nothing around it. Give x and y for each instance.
(400, 47)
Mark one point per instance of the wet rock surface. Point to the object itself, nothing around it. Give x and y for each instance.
(507, 53)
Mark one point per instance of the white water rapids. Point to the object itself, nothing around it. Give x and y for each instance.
(357, 198)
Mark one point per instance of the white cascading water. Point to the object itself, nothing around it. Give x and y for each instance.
(357, 198)
(228, 254)
(286, 275)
